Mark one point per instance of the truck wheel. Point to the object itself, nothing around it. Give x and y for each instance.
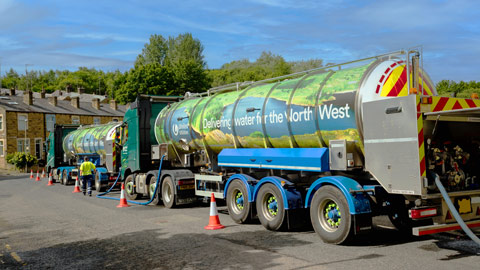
(98, 185)
(151, 190)
(237, 202)
(64, 177)
(168, 192)
(330, 215)
(270, 207)
(129, 188)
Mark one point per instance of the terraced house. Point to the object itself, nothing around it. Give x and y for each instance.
(27, 118)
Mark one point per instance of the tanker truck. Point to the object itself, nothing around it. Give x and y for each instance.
(333, 146)
(139, 165)
(96, 142)
(57, 164)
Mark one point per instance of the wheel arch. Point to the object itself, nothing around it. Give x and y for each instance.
(292, 199)
(247, 180)
(358, 203)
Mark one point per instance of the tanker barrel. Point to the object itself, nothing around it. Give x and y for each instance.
(89, 139)
(306, 111)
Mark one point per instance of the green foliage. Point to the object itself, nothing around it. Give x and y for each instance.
(149, 79)
(268, 65)
(155, 51)
(20, 159)
(460, 89)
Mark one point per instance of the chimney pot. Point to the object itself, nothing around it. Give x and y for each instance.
(42, 94)
(28, 97)
(80, 90)
(75, 101)
(12, 91)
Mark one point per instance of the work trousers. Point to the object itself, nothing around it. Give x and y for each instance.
(87, 181)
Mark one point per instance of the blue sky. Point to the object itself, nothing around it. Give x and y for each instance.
(108, 35)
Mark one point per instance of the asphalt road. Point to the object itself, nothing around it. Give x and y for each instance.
(44, 227)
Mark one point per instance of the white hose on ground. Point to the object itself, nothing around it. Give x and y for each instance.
(456, 215)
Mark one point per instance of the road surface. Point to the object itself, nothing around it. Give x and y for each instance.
(48, 227)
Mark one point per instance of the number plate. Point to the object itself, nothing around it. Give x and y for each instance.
(463, 205)
(186, 187)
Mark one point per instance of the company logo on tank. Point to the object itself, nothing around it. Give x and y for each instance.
(180, 129)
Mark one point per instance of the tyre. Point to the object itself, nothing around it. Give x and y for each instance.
(237, 202)
(130, 188)
(64, 179)
(151, 191)
(168, 192)
(99, 187)
(270, 210)
(330, 215)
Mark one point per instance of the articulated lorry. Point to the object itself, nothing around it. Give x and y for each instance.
(140, 157)
(333, 146)
(57, 164)
(68, 146)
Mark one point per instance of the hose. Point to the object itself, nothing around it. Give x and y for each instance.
(452, 208)
(139, 203)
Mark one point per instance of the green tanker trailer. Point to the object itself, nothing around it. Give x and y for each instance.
(98, 143)
(343, 144)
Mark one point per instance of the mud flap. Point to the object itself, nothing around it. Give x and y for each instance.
(362, 223)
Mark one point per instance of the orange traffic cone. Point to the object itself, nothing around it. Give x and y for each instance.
(50, 180)
(214, 223)
(31, 174)
(77, 187)
(43, 174)
(123, 201)
(38, 177)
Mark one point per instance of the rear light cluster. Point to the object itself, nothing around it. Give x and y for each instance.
(185, 182)
(423, 213)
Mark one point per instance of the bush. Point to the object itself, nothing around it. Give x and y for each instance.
(20, 159)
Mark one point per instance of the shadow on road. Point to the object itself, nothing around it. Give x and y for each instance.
(152, 249)
(4, 177)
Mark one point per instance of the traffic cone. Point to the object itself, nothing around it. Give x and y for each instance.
(77, 187)
(123, 201)
(31, 174)
(50, 180)
(214, 222)
(38, 177)
(43, 174)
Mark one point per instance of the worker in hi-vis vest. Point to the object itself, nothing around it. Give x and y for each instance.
(87, 169)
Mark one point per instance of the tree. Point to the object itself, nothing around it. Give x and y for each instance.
(267, 65)
(11, 79)
(150, 79)
(186, 61)
(153, 52)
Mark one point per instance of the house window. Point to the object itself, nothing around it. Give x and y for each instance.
(96, 120)
(1, 122)
(23, 145)
(22, 122)
(1, 148)
(38, 148)
(115, 119)
(50, 122)
(75, 119)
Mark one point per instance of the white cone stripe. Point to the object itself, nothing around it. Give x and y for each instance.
(122, 194)
(213, 209)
